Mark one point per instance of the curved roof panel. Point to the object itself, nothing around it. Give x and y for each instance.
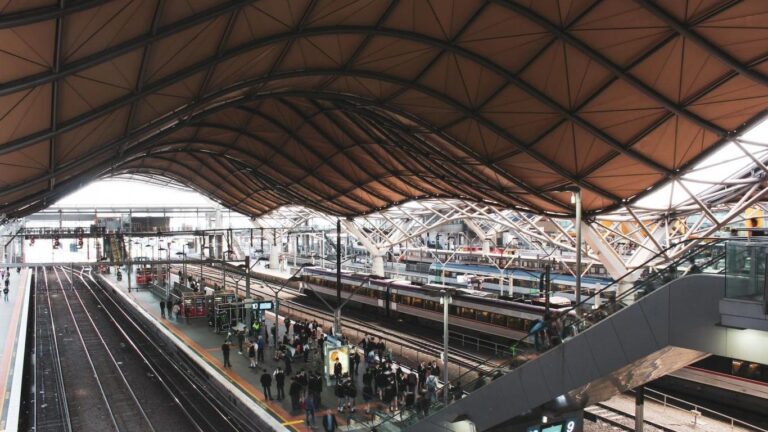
(355, 105)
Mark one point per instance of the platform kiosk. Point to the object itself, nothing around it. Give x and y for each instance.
(334, 350)
(193, 305)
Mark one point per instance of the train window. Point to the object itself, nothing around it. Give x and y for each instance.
(453, 310)
(483, 316)
(515, 323)
(746, 369)
(499, 319)
(416, 302)
(406, 300)
(468, 313)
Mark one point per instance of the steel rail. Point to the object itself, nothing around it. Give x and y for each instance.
(170, 361)
(88, 356)
(56, 356)
(136, 349)
(109, 353)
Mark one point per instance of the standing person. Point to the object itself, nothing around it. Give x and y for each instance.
(7, 288)
(252, 355)
(315, 386)
(329, 421)
(435, 368)
(176, 311)
(225, 353)
(273, 330)
(340, 394)
(351, 394)
(260, 352)
(424, 403)
(356, 361)
(266, 384)
(240, 340)
(367, 394)
(309, 407)
(280, 383)
(294, 391)
(432, 388)
(162, 308)
(337, 371)
(287, 325)
(287, 360)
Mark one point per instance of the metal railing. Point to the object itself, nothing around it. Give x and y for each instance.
(696, 410)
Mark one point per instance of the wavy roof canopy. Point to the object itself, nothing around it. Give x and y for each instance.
(351, 106)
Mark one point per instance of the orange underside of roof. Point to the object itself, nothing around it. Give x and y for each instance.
(353, 106)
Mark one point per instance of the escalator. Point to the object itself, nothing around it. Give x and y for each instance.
(667, 319)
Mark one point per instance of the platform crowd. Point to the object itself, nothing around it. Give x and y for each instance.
(386, 385)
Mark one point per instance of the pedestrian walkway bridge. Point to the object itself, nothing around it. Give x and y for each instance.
(663, 322)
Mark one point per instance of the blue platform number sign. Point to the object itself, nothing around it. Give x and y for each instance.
(565, 426)
(265, 305)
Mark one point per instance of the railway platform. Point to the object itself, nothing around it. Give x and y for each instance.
(200, 338)
(13, 335)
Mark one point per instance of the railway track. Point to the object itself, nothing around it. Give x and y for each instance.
(430, 348)
(49, 410)
(117, 378)
(123, 408)
(619, 419)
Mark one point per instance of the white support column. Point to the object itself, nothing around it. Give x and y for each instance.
(274, 258)
(487, 238)
(377, 253)
(605, 253)
(377, 263)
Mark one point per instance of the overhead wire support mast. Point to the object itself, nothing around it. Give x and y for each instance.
(337, 312)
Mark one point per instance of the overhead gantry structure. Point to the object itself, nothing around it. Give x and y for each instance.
(353, 107)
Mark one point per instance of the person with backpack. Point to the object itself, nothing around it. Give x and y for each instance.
(431, 386)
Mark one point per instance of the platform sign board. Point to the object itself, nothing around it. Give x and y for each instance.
(333, 350)
(264, 305)
(573, 424)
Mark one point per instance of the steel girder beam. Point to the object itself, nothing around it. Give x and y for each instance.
(688, 33)
(615, 69)
(206, 64)
(107, 54)
(45, 13)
